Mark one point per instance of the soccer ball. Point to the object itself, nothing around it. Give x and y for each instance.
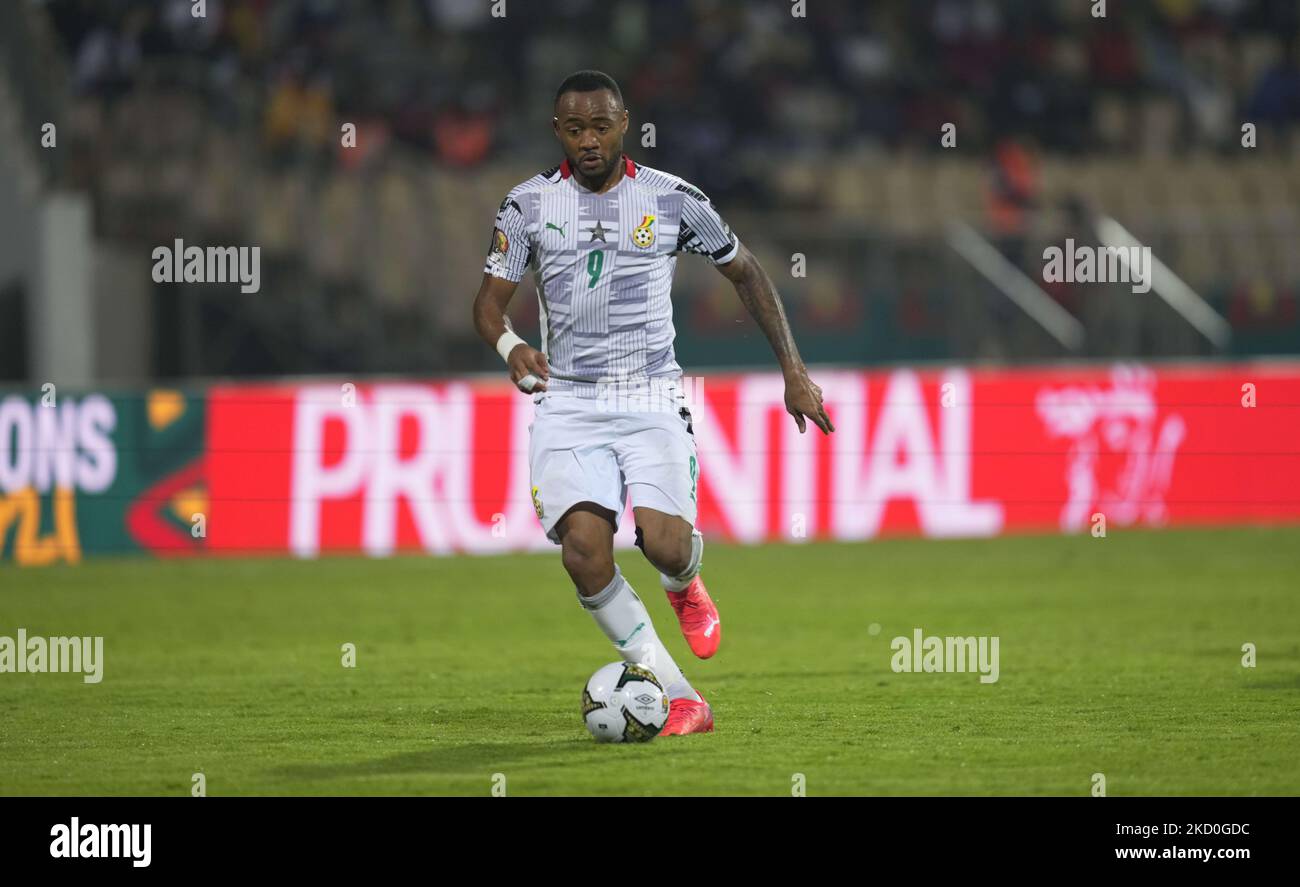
(624, 702)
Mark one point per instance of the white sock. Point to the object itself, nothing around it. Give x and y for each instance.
(679, 583)
(621, 615)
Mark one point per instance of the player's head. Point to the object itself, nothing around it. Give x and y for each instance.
(590, 122)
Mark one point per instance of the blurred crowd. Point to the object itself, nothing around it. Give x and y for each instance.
(717, 78)
(230, 124)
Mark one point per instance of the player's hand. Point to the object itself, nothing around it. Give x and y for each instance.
(527, 361)
(804, 398)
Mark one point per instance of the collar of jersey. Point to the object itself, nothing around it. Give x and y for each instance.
(629, 172)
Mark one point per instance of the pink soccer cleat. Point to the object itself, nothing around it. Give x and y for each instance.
(698, 617)
(688, 716)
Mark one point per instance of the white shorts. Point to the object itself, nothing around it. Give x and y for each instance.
(597, 449)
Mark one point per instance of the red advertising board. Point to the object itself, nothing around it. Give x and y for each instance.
(442, 467)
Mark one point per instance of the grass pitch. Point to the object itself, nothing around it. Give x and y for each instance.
(1119, 656)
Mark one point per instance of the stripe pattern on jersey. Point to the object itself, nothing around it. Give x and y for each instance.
(604, 266)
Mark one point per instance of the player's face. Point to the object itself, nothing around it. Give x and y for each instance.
(590, 126)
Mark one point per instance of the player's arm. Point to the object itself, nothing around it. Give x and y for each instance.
(504, 268)
(703, 231)
(760, 298)
(490, 319)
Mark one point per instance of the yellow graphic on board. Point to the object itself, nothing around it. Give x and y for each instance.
(164, 407)
(21, 510)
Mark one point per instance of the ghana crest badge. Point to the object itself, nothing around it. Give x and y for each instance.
(643, 235)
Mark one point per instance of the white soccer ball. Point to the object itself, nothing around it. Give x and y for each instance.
(624, 702)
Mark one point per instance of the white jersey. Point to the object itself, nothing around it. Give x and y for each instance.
(604, 267)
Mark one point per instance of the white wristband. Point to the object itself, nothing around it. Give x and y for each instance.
(507, 343)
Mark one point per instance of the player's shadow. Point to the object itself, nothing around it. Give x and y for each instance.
(470, 760)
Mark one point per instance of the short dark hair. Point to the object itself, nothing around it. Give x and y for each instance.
(589, 81)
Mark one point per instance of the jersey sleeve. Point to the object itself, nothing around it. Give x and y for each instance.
(508, 252)
(703, 231)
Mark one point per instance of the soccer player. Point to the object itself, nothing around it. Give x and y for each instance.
(602, 234)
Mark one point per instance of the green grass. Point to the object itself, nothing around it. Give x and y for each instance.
(1119, 655)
